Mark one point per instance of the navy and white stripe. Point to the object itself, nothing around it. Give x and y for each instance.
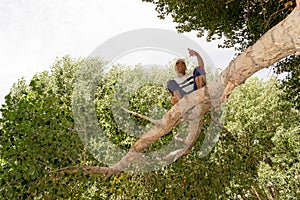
(186, 83)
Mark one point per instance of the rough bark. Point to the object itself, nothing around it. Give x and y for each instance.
(278, 43)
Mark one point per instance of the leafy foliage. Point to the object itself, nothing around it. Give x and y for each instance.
(291, 83)
(242, 22)
(136, 89)
(38, 140)
(37, 136)
(265, 130)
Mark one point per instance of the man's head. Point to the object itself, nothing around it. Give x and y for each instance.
(180, 67)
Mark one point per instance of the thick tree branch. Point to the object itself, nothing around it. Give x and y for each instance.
(279, 42)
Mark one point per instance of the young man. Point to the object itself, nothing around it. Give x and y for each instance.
(187, 83)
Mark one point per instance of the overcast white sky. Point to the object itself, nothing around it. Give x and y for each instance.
(34, 32)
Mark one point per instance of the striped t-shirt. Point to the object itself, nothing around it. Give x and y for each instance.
(185, 84)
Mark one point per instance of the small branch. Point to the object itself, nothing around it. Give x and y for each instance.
(87, 170)
(256, 194)
(141, 116)
(84, 150)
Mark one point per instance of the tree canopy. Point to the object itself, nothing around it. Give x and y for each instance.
(44, 156)
(38, 140)
(242, 22)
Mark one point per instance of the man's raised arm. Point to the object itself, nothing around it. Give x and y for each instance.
(199, 58)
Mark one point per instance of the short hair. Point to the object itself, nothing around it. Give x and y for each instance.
(180, 60)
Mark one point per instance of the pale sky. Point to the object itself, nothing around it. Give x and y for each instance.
(33, 33)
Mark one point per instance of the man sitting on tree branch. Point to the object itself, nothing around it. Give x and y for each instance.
(187, 83)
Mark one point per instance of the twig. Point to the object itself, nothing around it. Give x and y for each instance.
(256, 194)
(141, 116)
(86, 170)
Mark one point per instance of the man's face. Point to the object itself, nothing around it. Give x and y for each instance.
(180, 66)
